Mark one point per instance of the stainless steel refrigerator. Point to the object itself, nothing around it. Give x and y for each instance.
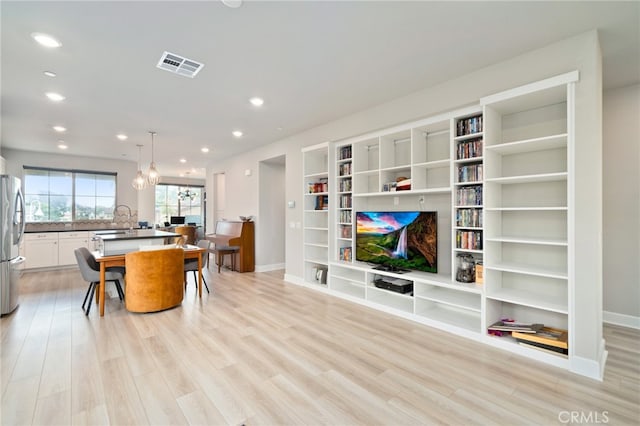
(11, 232)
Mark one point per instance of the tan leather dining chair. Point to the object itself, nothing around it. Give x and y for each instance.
(154, 280)
(188, 231)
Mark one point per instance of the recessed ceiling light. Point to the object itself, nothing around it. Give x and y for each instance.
(122, 136)
(50, 73)
(205, 150)
(237, 133)
(46, 40)
(183, 160)
(59, 128)
(256, 101)
(56, 97)
(62, 145)
(193, 170)
(279, 129)
(181, 174)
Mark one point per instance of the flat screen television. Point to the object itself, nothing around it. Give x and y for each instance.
(177, 220)
(398, 240)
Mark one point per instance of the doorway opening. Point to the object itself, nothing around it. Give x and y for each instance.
(270, 234)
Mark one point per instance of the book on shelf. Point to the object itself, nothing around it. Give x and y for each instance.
(403, 185)
(344, 169)
(345, 254)
(321, 186)
(345, 216)
(469, 218)
(471, 148)
(469, 126)
(515, 327)
(345, 201)
(322, 202)
(469, 196)
(546, 336)
(470, 173)
(544, 348)
(469, 240)
(344, 153)
(345, 185)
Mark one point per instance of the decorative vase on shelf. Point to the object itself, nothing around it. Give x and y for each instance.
(465, 268)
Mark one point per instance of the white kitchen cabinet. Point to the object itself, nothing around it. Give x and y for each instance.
(67, 243)
(41, 250)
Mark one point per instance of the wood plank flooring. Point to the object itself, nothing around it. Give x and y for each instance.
(259, 351)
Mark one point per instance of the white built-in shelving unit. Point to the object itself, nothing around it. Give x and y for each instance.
(500, 177)
(468, 214)
(315, 163)
(528, 145)
(344, 202)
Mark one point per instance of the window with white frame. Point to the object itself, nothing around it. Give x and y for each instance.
(58, 195)
(179, 200)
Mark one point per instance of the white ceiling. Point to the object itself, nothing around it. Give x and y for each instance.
(312, 62)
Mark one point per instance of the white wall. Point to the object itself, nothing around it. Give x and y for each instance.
(621, 208)
(219, 197)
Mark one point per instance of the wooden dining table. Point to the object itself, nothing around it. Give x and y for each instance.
(190, 252)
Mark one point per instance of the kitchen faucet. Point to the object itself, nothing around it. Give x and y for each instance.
(128, 208)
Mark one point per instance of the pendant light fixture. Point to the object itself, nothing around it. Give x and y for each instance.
(140, 181)
(153, 177)
(187, 194)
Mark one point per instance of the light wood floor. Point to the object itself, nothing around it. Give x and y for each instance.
(258, 351)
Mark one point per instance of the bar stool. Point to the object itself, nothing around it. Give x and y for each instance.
(222, 251)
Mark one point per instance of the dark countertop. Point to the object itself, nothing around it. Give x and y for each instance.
(136, 234)
(40, 231)
(92, 230)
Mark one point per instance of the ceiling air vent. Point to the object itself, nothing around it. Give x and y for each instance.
(179, 65)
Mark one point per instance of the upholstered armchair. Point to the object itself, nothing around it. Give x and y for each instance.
(154, 280)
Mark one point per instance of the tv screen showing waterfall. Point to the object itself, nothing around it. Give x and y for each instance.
(398, 240)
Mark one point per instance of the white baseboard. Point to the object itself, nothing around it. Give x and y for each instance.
(589, 367)
(272, 267)
(621, 319)
(293, 279)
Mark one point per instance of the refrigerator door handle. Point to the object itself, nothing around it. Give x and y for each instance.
(18, 260)
(18, 215)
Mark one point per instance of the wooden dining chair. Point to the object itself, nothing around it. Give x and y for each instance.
(188, 231)
(192, 264)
